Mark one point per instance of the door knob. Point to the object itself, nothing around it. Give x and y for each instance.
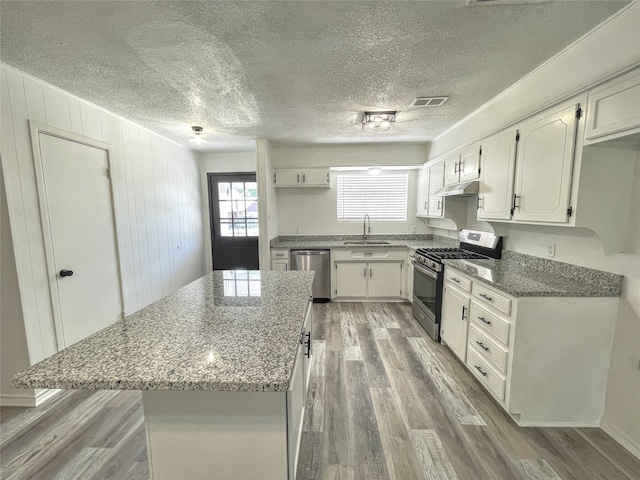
(66, 273)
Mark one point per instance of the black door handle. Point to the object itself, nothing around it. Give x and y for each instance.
(66, 273)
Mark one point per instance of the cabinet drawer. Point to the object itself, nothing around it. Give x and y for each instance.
(280, 254)
(488, 349)
(457, 279)
(491, 379)
(489, 322)
(491, 297)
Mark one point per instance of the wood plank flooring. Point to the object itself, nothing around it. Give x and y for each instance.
(385, 402)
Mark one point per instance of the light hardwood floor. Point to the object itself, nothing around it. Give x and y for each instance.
(385, 402)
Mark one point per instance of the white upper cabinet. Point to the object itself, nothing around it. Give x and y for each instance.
(422, 196)
(463, 166)
(544, 167)
(613, 109)
(495, 191)
(468, 168)
(308, 177)
(436, 179)
(451, 174)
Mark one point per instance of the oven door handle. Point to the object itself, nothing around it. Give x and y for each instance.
(420, 268)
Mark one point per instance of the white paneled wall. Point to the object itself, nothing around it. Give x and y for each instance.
(157, 201)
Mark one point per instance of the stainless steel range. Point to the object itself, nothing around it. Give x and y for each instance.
(428, 273)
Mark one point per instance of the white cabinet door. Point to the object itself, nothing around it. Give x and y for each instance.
(422, 198)
(385, 279)
(295, 412)
(451, 170)
(287, 177)
(454, 326)
(436, 178)
(468, 165)
(614, 107)
(316, 177)
(544, 167)
(279, 265)
(495, 191)
(351, 279)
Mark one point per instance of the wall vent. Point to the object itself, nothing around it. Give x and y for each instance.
(429, 101)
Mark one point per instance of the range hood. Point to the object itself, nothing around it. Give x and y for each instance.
(467, 188)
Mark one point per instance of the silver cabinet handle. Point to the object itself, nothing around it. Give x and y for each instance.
(364, 271)
(298, 178)
(486, 349)
(478, 206)
(484, 374)
(371, 272)
(454, 279)
(304, 177)
(488, 299)
(464, 309)
(482, 319)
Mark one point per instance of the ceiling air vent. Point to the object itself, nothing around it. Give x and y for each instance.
(429, 101)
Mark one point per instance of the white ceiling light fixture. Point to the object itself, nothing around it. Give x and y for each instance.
(378, 120)
(373, 171)
(196, 136)
(429, 101)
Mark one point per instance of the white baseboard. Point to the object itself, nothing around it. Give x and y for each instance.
(30, 398)
(621, 438)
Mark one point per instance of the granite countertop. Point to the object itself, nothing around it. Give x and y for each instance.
(525, 276)
(338, 241)
(229, 330)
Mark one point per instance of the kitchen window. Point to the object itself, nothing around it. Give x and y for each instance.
(382, 197)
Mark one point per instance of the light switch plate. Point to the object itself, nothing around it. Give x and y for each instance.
(551, 249)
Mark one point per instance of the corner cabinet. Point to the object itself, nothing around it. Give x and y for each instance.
(308, 177)
(544, 167)
(375, 273)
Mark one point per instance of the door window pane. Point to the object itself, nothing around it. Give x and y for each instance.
(226, 228)
(238, 207)
(224, 191)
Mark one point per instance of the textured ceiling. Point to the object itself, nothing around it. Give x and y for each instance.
(296, 73)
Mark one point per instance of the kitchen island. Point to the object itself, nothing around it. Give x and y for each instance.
(223, 367)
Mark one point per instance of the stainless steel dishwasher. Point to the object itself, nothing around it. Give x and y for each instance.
(318, 261)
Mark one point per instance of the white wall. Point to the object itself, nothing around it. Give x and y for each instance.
(13, 341)
(563, 76)
(227, 162)
(157, 201)
(314, 210)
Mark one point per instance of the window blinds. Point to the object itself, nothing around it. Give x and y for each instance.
(383, 197)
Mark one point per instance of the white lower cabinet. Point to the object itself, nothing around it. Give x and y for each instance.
(544, 359)
(279, 259)
(369, 279)
(455, 320)
(374, 273)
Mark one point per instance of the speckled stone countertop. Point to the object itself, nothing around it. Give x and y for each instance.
(527, 276)
(338, 241)
(235, 331)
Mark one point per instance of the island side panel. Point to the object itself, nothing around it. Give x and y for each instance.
(202, 435)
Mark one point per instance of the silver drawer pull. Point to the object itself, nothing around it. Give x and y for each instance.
(484, 374)
(482, 319)
(279, 254)
(488, 299)
(486, 349)
(454, 279)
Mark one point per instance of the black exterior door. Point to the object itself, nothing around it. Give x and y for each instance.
(233, 207)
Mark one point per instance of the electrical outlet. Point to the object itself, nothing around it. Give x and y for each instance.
(413, 229)
(297, 229)
(551, 249)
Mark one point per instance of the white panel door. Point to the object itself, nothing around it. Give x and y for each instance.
(79, 216)
(316, 177)
(287, 177)
(351, 279)
(455, 320)
(544, 167)
(495, 191)
(422, 197)
(385, 279)
(452, 170)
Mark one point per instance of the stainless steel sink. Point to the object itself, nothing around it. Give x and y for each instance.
(367, 242)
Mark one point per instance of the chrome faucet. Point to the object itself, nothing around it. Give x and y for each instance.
(365, 232)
